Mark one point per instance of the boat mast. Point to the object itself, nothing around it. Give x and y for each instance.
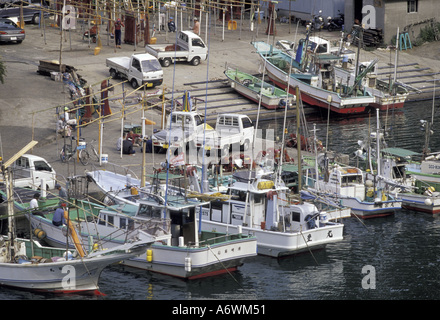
(395, 61)
(378, 142)
(316, 158)
(298, 142)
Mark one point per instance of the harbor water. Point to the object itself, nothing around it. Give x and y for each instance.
(392, 258)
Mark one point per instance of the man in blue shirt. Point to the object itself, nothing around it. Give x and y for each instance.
(58, 216)
(62, 193)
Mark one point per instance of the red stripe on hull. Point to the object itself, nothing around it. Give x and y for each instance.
(433, 211)
(389, 106)
(315, 102)
(213, 273)
(379, 215)
(197, 276)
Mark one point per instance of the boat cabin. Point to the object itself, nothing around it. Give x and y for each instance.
(260, 205)
(345, 181)
(128, 219)
(157, 216)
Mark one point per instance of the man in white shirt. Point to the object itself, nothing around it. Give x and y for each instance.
(33, 204)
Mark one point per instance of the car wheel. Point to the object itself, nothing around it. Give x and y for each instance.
(245, 146)
(195, 61)
(134, 83)
(36, 18)
(113, 73)
(166, 62)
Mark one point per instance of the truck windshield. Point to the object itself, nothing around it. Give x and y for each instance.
(151, 65)
(197, 43)
(42, 166)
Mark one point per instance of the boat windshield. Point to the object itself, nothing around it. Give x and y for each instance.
(151, 212)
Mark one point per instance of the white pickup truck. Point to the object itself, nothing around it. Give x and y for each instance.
(188, 47)
(319, 46)
(230, 129)
(29, 170)
(188, 127)
(181, 127)
(137, 69)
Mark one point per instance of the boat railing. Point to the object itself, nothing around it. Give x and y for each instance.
(116, 168)
(210, 238)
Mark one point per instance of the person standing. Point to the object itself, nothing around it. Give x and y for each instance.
(196, 27)
(118, 26)
(62, 193)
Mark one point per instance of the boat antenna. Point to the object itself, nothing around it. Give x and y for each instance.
(204, 184)
(255, 133)
(173, 104)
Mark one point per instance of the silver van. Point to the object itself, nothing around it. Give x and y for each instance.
(32, 9)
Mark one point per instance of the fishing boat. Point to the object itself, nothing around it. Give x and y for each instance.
(34, 267)
(368, 194)
(387, 95)
(25, 264)
(420, 193)
(427, 170)
(253, 88)
(283, 226)
(297, 227)
(334, 209)
(347, 185)
(318, 88)
(191, 252)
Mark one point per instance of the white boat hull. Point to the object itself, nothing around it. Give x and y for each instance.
(278, 244)
(365, 209)
(56, 276)
(193, 263)
(169, 260)
(420, 202)
(39, 268)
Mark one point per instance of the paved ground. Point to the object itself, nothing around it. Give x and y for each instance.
(28, 100)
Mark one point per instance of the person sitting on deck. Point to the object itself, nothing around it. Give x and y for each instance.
(127, 147)
(33, 205)
(58, 217)
(135, 138)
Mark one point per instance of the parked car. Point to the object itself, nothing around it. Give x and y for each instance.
(9, 31)
(32, 10)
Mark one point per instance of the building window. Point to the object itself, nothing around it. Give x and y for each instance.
(413, 6)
